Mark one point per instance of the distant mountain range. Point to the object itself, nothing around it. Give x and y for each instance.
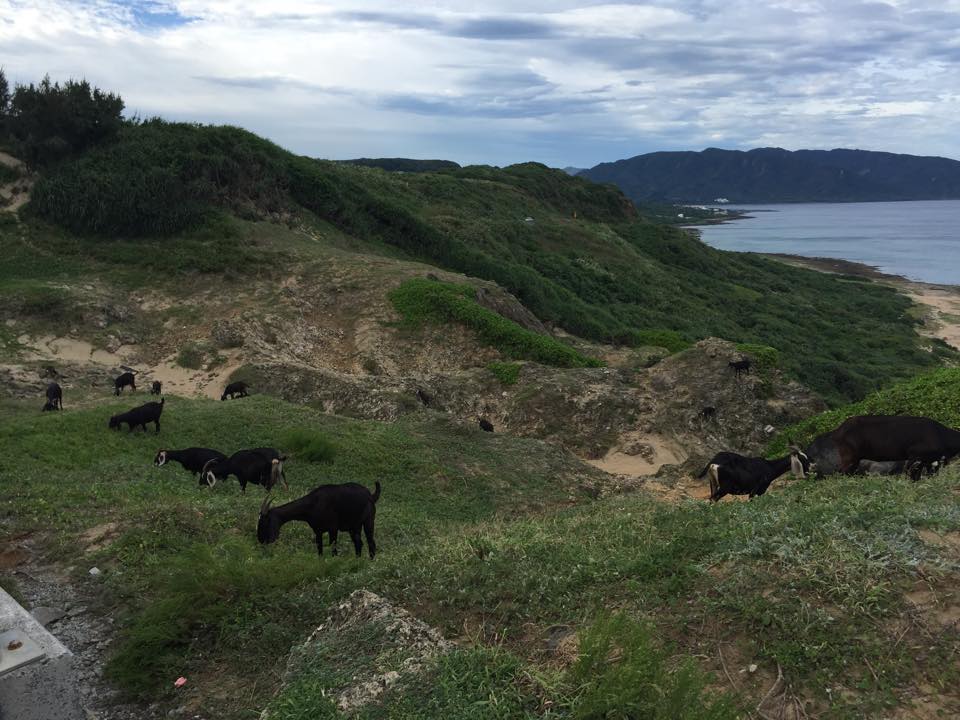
(773, 175)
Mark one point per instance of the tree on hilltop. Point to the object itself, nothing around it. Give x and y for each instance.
(49, 121)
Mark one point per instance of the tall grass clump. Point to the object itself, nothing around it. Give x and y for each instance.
(308, 445)
(620, 673)
(419, 300)
(506, 372)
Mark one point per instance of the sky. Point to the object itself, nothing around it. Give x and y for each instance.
(505, 81)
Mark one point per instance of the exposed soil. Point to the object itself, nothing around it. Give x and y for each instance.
(85, 628)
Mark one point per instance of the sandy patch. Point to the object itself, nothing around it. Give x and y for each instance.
(201, 383)
(656, 452)
(48, 347)
(948, 540)
(943, 303)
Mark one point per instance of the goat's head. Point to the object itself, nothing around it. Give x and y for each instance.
(268, 524)
(800, 464)
(161, 458)
(208, 474)
(115, 422)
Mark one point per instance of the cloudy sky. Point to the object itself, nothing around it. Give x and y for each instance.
(502, 81)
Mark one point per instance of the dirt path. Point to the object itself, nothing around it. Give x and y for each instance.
(87, 633)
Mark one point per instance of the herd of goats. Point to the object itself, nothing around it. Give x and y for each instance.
(873, 444)
(330, 509)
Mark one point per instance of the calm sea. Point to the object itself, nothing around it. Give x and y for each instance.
(919, 240)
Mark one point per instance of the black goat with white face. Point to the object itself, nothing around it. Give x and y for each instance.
(235, 390)
(261, 466)
(732, 474)
(193, 459)
(349, 507)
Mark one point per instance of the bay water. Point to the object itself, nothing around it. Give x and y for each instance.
(917, 239)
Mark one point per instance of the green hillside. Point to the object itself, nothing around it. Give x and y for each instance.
(498, 540)
(577, 254)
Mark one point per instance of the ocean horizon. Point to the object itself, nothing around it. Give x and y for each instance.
(918, 239)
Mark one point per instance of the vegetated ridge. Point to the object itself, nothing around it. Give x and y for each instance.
(774, 175)
(576, 254)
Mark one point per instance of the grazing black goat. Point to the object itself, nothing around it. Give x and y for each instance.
(732, 474)
(148, 413)
(708, 413)
(121, 382)
(235, 390)
(918, 441)
(193, 459)
(156, 387)
(485, 425)
(327, 509)
(54, 397)
(261, 466)
(740, 366)
(423, 397)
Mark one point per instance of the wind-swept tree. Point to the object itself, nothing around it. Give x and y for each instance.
(49, 121)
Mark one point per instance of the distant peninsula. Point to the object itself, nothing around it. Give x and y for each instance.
(774, 175)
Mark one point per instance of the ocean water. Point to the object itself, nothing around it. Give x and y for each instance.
(919, 239)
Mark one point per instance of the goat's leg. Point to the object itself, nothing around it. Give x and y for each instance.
(333, 542)
(357, 543)
(155, 422)
(319, 536)
(371, 543)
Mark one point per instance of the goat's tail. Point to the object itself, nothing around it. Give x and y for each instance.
(376, 492)
(703, 472)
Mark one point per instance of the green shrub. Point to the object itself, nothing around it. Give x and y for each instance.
(191, 356)
(308, 445)
(668, 339)
(621, 673)
(506, 372)
(763, 357)
(419, 300)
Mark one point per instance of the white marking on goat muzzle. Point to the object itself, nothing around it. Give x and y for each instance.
(796, 467)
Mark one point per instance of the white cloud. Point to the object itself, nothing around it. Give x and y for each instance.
(563, 82)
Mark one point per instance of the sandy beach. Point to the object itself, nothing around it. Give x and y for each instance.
(939, 304)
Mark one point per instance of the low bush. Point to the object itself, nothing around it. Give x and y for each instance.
(419, 300)
(621, 673)
(763, 357)
(308, 445)
(506, 372)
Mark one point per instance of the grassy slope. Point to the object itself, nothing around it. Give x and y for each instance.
(604, 274)
(478, 535)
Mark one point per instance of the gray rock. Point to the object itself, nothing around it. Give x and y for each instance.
(46, 616)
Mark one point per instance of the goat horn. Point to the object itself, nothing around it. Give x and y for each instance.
(265, 505)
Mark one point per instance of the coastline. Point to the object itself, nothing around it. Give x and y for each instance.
(938, 305)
